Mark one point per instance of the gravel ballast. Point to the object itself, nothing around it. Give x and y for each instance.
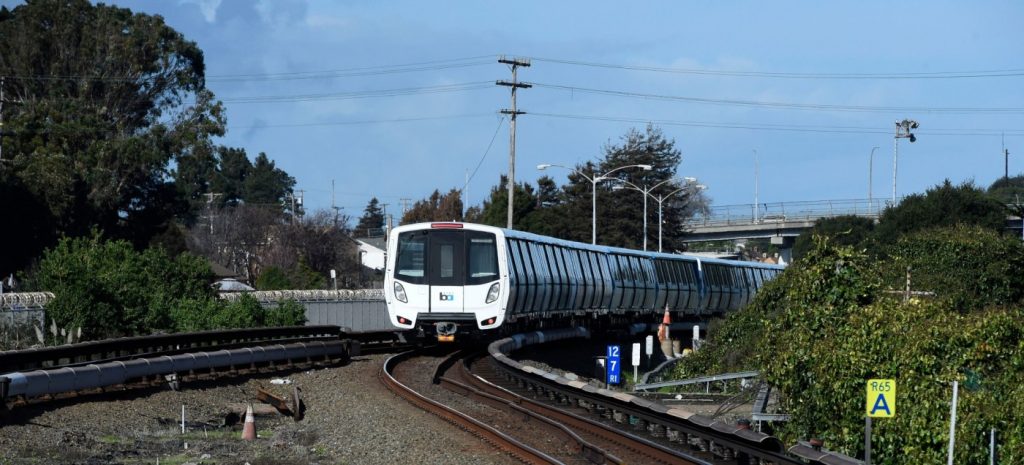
(350, 417)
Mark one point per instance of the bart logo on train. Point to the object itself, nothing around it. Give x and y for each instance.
(447, 297)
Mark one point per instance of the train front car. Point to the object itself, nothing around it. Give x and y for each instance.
(446, 278)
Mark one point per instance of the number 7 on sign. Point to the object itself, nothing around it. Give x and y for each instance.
(613, 365)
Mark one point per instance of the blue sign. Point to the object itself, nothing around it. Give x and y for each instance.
(612, 369)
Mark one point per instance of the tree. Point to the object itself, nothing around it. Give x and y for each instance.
(268, 185)
(943, 205)
(620, 219)
(100, 101)
(108, 289)
(1009, 192)
(842, 230)
(437, 207)
(494, 211)
(372, 220)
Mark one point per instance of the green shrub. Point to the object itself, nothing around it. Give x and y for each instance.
(824, 327)
(109, 289)
(971, 266)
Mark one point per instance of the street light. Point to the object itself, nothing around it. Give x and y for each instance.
(902, 131)
(660, 199)
(593, 196)
(871, 161)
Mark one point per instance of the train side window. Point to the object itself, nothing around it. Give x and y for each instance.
(530, 265)
(540, 263)
(513, 260)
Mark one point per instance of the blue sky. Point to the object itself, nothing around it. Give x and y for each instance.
(405, 146)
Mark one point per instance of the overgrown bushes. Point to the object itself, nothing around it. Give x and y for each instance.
(109, 289)
(826, 326)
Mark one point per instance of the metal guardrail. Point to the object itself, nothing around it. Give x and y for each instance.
(131, 347)
(702, 379)
(777, 212)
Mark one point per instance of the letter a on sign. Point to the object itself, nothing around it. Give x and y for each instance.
(881, 398)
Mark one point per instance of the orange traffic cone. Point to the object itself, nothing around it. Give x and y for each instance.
(249, 429)
(663, 327)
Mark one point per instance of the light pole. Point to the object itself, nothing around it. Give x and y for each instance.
(660, 199)
(593, 196)
(871, 161)
(757, 208)
(902, 131)
(646, 191)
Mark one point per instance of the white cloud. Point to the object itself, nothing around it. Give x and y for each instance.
(207, 7)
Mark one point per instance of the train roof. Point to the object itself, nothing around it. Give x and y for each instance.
(514, 234)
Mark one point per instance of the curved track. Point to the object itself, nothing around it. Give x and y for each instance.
(489, 434)
(466, 374)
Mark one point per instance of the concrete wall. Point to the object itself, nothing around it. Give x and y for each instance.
(360, 316)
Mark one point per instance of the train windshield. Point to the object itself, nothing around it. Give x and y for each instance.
(411, 263)
(446, 257)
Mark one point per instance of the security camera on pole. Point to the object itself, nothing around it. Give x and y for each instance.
(902, 131)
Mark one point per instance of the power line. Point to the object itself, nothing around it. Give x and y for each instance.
(361, 94)
(793, 75)
(355, 122)
(780, 127)
(784, 105)
(481, 162)
(360, 71)
(298, 75)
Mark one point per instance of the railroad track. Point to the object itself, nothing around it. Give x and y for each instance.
(470, 375)
(491, 435)
(36, 375)
(706, 438)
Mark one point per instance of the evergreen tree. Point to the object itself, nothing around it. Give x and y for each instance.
(437, 207)
(122, 97)
(943, 205)
(372, 220)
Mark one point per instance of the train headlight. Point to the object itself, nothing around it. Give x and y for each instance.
(492, 293)
(400, 293)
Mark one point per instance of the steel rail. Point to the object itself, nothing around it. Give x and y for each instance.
(31, 385)
(463, 385)
(133, 347)
(703, 430)
(654, 453)
(490, 435)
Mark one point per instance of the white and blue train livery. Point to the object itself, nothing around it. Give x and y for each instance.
(450, 278)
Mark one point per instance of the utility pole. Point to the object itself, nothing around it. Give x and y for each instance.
(757, 206)
(1006, 153)
(903, 130)
(514, 64)
(1, 120)
(405, 204)
(210, 196)
(333, 207)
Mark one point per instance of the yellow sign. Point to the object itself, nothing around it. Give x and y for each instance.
(881, 398)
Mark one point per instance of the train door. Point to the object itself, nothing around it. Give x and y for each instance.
(445, 261)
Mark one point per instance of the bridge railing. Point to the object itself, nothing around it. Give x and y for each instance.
(778, 212)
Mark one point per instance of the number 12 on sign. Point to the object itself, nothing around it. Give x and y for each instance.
(614, 359)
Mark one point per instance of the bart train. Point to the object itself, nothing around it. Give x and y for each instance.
(461, 278)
